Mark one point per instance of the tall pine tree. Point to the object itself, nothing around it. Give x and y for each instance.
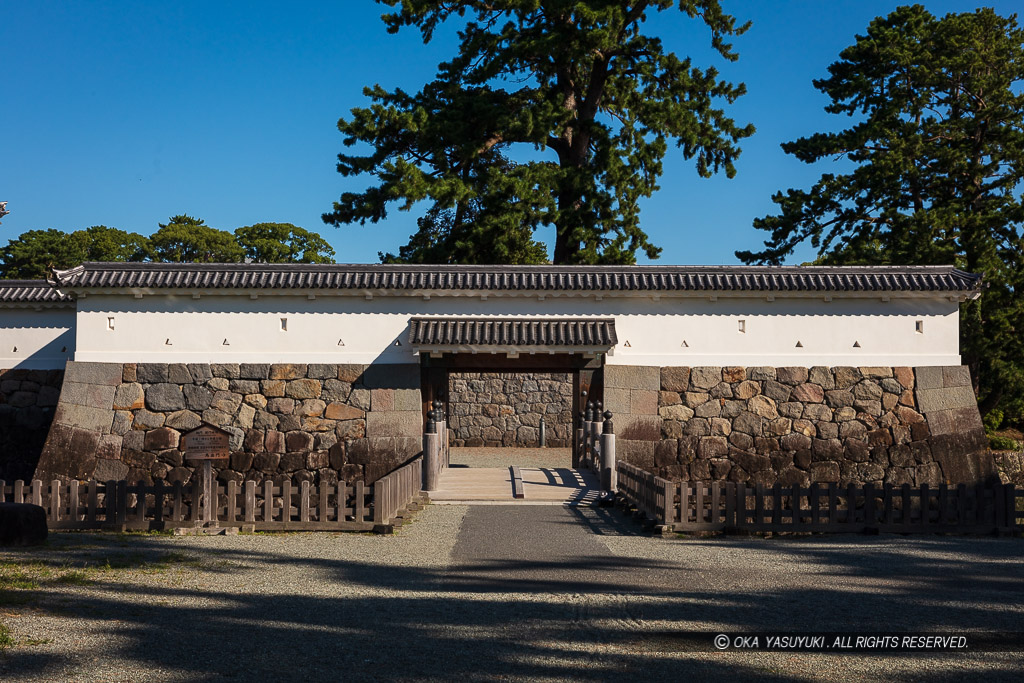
(937, 155)
(580, 83)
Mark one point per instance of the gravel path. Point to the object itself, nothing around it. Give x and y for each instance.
(499, 592)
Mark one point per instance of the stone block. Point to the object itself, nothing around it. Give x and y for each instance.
(273, 388)
(964, 458)
(905, 376)
(876, 372)
(617, 400)
(391, 376)
(244, 386)
(322, 371)
(703, 378)
(408, 399)
(340, 411)
(201, 372)
(91, 395)
(761, 374)
(867, 391)
(107, 469)
(128, 397)
(164, 397)
(350, 373)
(183, 420)
(956, 376)
(929, 377)
(763, 406)
(394, 423)
(643, 402)
(128, 373)
(929, 400)
(298, 442)
(213, 416)
(85, 417)
(712, 447)
(954, 421)
(288, 371)
(302, 388)
(382, 399)
(274, 442)
(106, 374)
(244, 417)
(709, 409)
(792, 375)
(151, 373)
(675, 379)
(824, 472)
(748, 389)
(197, 398)
(748, 423)
(734, 373)
(48, 396)
(254, 371)
(846, 376)
(122, 422)
(178, 373)
(675, 412)
(360, 398)
(808, 393)
(225, 370)
(159, 439)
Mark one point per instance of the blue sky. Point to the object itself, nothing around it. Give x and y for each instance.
(125, 113)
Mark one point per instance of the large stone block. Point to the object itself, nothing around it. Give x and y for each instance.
(633, 377)
(340, 411)
(394, 423)
(259, 371)
(675, 379)
(201, 372)
(107, 469)
(929, 400)
(954, 421)
(643, 402)
(302, 388)
(350, 373)
(322, 371)
(288, 371)
(408, 399)
(151, 373)
(95, 419)
(129, 397)
(92, 395)
(178, 373)
(705, 377)
(108, 374)
(617, 401)
(930, 377)
(165, 397)
(382, 399)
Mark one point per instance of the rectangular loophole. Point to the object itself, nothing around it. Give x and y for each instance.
(284, 324)
(743, 327)
(919, 326)
(110, 323)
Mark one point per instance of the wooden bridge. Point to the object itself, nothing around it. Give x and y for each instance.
(515, 485)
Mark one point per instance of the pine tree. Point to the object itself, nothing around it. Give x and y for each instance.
(937, 156)
(581, 84)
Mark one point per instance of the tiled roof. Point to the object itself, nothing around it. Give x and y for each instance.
(519, 278)
(30, 292)
(512, 332)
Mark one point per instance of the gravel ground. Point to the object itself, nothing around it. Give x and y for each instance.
(504, 457)
(493, 593)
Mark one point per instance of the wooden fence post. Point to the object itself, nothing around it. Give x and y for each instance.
(55, 501)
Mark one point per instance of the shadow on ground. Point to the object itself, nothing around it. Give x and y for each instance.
(579, 618)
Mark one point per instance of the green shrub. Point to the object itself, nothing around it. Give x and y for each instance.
(1003, 443)
(993, 420)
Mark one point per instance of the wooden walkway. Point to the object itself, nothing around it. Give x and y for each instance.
(495, 486)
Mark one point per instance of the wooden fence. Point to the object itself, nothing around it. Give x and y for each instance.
(720, 506)
(261, 506)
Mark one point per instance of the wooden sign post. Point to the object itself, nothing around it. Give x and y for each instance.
(205, 444)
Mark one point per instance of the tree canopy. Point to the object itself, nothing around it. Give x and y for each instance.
(283, 243)
(188, 239)
(182, 239)
(579, 83)
(34, 251)
(937, 158)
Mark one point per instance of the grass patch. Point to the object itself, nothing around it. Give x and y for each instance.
(17, 580)
(74, 577)
(6, 639)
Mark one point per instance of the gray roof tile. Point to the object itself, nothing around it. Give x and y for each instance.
(512, 332)
(520, 278)
(30, 292)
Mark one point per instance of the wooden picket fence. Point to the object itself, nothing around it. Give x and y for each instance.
(260, 506)
(723, 506)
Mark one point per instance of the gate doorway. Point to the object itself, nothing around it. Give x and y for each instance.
(493, 405)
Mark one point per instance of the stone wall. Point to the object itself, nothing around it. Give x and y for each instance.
(505, 408)
(800, 425)
(304, 422)
(27, 402)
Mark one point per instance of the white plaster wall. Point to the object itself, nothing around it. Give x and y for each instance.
(180, 328)
(36, 339)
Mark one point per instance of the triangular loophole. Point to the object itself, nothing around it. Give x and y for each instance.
(799, 345)
(226, 343)
(856, 344)
(685, 344)
(628, 345)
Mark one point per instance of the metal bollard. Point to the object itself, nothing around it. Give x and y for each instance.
(543, 433)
